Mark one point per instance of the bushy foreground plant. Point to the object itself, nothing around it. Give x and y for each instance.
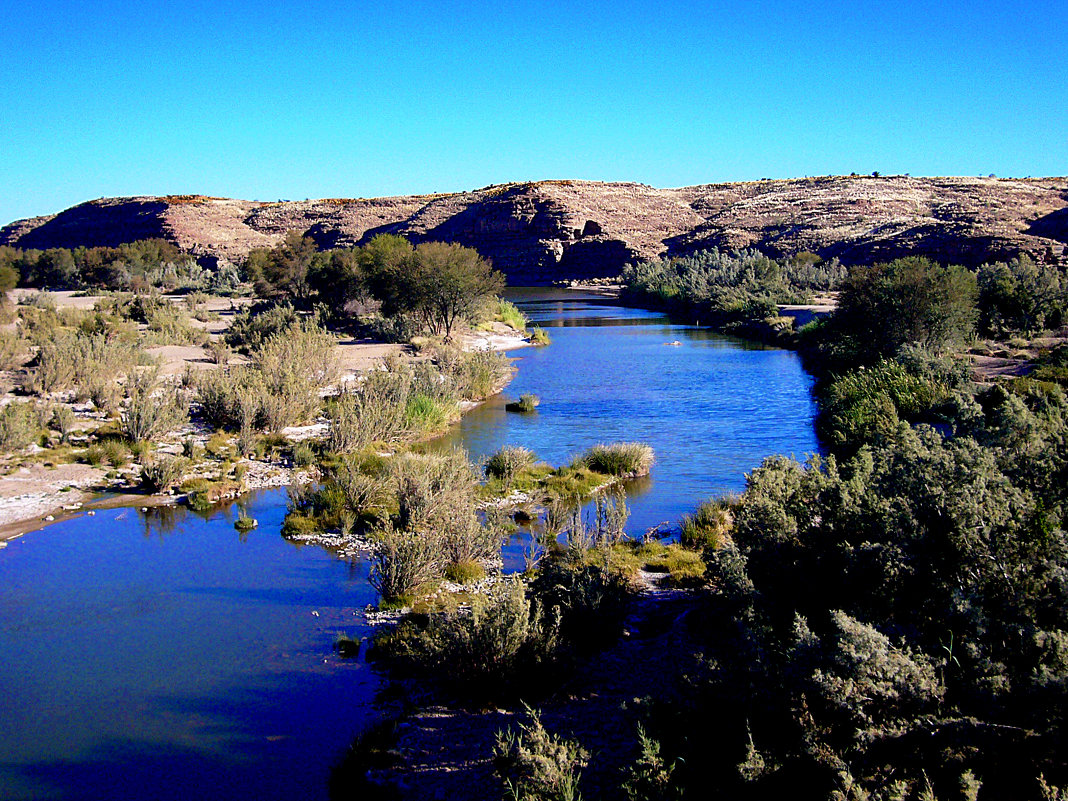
(161, 473)
(507, 463)
(536, 765)
(501, 643)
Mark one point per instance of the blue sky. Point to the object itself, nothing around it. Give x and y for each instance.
(327, 99)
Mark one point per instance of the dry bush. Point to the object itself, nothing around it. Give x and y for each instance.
(404, 562)
(81, 361)
(13, 349)
(151, 410)
(374, 413)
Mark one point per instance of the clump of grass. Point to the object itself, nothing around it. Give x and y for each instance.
(303, 454)
(685, 569)
(244, 522)
(425, 414)
(709, 525)
(218, 445)
(509, 314)
(538, 336)
(115, 452)
(94, 455)
(527, 403)
(466, 572)
(507, 463)
(619, 459)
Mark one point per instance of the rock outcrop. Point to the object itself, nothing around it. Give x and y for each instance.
(550, 230)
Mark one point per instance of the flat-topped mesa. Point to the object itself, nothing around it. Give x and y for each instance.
(546, 231)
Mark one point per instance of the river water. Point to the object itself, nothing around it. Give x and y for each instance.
(163, 655)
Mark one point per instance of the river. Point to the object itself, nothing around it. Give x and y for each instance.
(162, 655)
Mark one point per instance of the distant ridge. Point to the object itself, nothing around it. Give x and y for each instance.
(544, 231)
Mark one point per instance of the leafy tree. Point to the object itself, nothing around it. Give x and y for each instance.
(442, 283)
(912, 300)
(282, 271)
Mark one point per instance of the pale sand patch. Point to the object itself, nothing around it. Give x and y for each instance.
(34, 492)
(174, 359)
(361, 355)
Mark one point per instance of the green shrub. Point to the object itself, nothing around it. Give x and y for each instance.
(500, 644)
(507, 463)
(13, 349)
(509, 314)
(650, 778)
(294, 367)
(539, 336)
(709, 525)
(18, 426)
(169, 325)
(403, 563)
(94, 455)
(219, 352)
(162, 473)
(76, 360)
(375, 412)
(592, 598)
(63, 420)
(476, 375)
(866, 404)
(619, 459)
(536, 765)
(232, 398)
(254, 325)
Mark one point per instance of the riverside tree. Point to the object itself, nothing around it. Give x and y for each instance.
(912, 300)
(443, 283)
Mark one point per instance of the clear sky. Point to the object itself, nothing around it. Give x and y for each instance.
(271, 100)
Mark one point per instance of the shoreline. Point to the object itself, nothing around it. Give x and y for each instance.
(56, 500)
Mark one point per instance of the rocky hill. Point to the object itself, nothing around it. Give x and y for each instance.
(550, 230)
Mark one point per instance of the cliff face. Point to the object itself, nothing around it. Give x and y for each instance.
(551, 230)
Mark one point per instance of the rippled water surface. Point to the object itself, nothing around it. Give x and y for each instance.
(162, 655)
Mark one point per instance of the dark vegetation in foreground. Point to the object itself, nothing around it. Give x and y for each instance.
(887, 622)
(892, 621)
